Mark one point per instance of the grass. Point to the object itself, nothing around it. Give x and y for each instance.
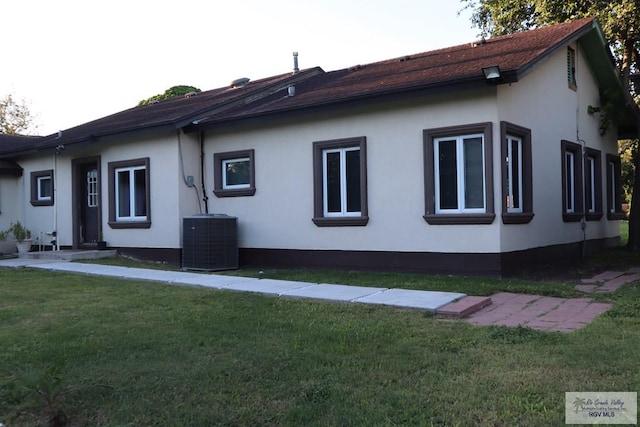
(108, 352)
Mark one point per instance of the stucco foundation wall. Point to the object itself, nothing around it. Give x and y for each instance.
(279, 214)
(544, 103)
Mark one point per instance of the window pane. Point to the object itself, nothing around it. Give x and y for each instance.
(237, 172)
(140, 191)
(473, 173)
(514, 174)
(44, 185)
(123, 187)
(92, 188)
(590, 184)
(332, 174)
(353, 180)
(612, 189)
(568, 158)
(447, 174)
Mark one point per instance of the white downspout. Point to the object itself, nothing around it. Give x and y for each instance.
(583, 157)
(54, 234)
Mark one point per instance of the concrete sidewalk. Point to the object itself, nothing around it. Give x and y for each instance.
(424, 300)
(501, 309)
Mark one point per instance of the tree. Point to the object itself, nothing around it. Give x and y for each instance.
(620, 22)
(172, 92)
(15, 116)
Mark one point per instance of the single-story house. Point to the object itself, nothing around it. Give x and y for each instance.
(481, 158)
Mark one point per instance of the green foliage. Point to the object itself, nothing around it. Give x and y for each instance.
(627, 150)
(15, 116)
(19, 232)
(172, 92)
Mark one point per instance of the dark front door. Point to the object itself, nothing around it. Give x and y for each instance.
(88, 182)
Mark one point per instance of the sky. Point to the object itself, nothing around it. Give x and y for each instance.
(73, 61)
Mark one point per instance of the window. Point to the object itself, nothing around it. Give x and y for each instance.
(614, 188)
(42, 188)
(234, 173)
(340, 182)
(571, 181)
(517, 181)
(458, 175)
(593, 185)
(129, 194)
(571, 68)
(92, 188)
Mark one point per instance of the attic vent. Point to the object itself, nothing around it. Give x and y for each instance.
(405, 58)
(241, 82)
(480, 42)
(155, 101)
(355, 67)
(190, 94)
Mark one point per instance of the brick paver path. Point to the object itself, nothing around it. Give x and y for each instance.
(538, 312)
(608, 281)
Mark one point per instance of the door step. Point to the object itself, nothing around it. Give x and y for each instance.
(464, 306)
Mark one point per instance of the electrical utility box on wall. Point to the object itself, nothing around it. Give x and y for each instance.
(210, 242)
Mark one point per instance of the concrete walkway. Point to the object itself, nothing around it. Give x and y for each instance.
(502, 309)
(423, 300)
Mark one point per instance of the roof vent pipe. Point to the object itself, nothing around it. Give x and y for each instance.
(296, 70)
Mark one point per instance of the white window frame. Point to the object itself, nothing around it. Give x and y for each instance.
(511, 140)
(225, 162)
(40, 183)
(92, 188)
(612, 190)
(460, 174)
(570, 162)
(591, 164)
(343, 183)
(132, 196)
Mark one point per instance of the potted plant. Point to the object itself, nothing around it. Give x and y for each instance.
(21, 234)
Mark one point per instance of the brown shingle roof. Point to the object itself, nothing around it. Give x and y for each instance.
(451, 68)
(172, 113)
(18, 142)
(457, 66)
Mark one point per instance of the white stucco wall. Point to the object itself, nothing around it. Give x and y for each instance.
(38, 219)
(11, 206)
(279, 214)
(543, 102)
(170, 197)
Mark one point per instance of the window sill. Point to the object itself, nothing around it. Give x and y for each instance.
(612, 216)
(41, 202)
(596, 216)
(460, 219)
(129, 224)
(235, 193)
(355, 221)
(517, 218)
(571, 217)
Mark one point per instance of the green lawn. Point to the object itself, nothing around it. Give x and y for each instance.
(126, 353)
